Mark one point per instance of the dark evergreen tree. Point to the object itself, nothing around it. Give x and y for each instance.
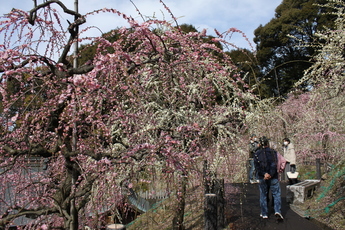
(281, 50)
(247, 63)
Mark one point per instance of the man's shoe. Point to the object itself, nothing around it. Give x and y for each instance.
(264, 217)
(251, 181)
(278, 216)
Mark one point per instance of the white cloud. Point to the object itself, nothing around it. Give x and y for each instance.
(245, 15)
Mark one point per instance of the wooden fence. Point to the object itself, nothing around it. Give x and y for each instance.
(214, 201)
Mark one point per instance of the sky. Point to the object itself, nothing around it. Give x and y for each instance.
(244, 15)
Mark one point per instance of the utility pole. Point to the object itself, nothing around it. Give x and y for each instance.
(75, 61)
(74, 224)
(75, 65)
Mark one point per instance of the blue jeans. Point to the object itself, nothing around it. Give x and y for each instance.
(252, 171)
(264, 187)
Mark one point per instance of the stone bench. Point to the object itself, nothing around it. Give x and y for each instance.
(298, 193)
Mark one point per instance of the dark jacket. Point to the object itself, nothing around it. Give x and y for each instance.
(265, 161)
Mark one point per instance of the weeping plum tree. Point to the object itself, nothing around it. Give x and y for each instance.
(155, 95)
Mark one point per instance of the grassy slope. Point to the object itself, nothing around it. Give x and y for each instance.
(327, 204)
(161, 216)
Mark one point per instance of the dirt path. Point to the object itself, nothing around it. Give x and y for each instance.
(242, 211)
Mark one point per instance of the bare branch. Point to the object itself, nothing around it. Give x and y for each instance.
(35, 150)
(32, 16)
(81, 70)
(7, 217)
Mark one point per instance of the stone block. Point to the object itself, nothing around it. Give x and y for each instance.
(298, 193)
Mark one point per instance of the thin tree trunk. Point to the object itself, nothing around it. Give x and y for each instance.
(181, 201)
(74, 211)
(71, 221)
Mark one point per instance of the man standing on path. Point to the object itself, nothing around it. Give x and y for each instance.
(253, 147)
(265, 160)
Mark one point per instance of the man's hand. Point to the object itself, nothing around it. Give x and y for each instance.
(267, 176)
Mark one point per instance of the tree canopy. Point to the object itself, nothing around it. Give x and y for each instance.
(281, 50)
(150, 97)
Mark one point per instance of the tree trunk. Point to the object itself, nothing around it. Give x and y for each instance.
(74, 216)
(181, 201)
(71, 221)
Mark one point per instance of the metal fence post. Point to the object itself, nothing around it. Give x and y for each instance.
(318, 168)
(219, 191)
(210, 214)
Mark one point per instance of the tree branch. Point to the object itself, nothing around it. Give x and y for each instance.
(72, 29)
(7, 217)
(32, 16)
(35, 150)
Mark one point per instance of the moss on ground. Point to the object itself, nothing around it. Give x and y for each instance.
(327, 204)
